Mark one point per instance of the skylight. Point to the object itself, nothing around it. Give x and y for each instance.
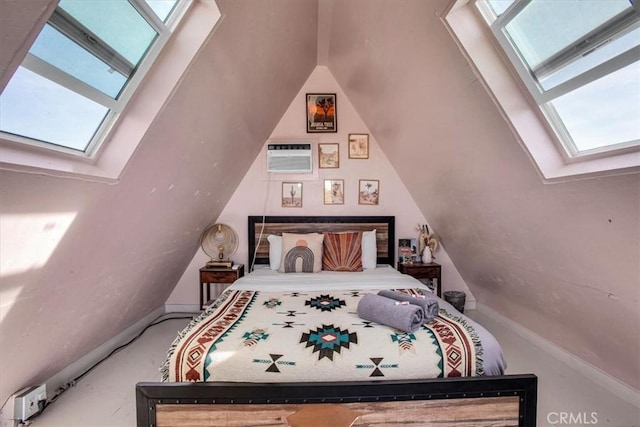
(81, 70)
(580, 61)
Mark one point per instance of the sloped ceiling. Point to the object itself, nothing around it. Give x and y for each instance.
(561, 259)
(115, 252)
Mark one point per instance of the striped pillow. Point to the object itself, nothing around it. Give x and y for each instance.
(342, 251)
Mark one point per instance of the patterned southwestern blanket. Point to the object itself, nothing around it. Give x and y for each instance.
(257, 336)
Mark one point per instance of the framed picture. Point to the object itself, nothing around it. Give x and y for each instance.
(407, 250)
(358, 145)
(328, 156)
(291, 194)
(369, 192)
(334, 191)
(321, 113)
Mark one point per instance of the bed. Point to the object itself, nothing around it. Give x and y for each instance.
(291, 349)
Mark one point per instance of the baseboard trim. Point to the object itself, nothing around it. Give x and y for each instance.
(87, 361)
(612, 384)
(182, 308)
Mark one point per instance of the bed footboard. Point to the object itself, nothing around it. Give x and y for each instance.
(508, 400)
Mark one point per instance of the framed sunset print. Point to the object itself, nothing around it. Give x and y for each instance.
(321, 113)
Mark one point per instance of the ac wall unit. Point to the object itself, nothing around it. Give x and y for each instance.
(289, 158)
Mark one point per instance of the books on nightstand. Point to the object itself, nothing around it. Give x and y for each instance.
(220, 264)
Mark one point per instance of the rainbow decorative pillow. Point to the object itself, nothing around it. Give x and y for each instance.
(342, 251)
(301, 253)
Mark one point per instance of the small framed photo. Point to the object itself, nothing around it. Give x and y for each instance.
(334, 191)
(321, 113)
(358, 145)
(291, 194)
(328, 156)
(369, 192)
(407, 250)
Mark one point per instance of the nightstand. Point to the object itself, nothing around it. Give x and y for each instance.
(209, 275)
(431, 271)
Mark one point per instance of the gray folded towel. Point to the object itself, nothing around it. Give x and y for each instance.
(389, 312)
(429, 303)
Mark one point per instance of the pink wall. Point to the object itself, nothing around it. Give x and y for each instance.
(559, 259)
(260, 193)
(82, 261)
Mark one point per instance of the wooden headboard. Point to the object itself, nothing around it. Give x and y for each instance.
(260, 227)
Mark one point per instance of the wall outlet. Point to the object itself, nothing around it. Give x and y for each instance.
(26, 403)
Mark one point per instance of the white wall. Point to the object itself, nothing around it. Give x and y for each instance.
(260, 193)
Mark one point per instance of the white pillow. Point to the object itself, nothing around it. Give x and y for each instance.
(369, 250)
(275, 251)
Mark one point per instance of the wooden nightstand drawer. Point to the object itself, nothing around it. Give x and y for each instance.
(424, 272)
(218, 276)
(431, 271)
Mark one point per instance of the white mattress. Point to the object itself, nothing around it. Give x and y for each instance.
(379, 278)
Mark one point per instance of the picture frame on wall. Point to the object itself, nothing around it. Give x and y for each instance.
(368, 192)
(292, 194)
(328, 156)
(358, 145)
(334, 191)
(322, 116)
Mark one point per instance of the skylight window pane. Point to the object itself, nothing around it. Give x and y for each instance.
(162, 8)
(605, 112)
(544, 28)
(70, 86)
(58, 50)
(593, 59)
(116, 22)
(37, 108)
(499, 6)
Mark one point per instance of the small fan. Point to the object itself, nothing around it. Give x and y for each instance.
(219, 241)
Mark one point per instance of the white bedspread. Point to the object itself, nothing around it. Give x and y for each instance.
(383, 277)
(201, 352)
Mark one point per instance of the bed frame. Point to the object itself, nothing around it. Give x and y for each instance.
(507, 400)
